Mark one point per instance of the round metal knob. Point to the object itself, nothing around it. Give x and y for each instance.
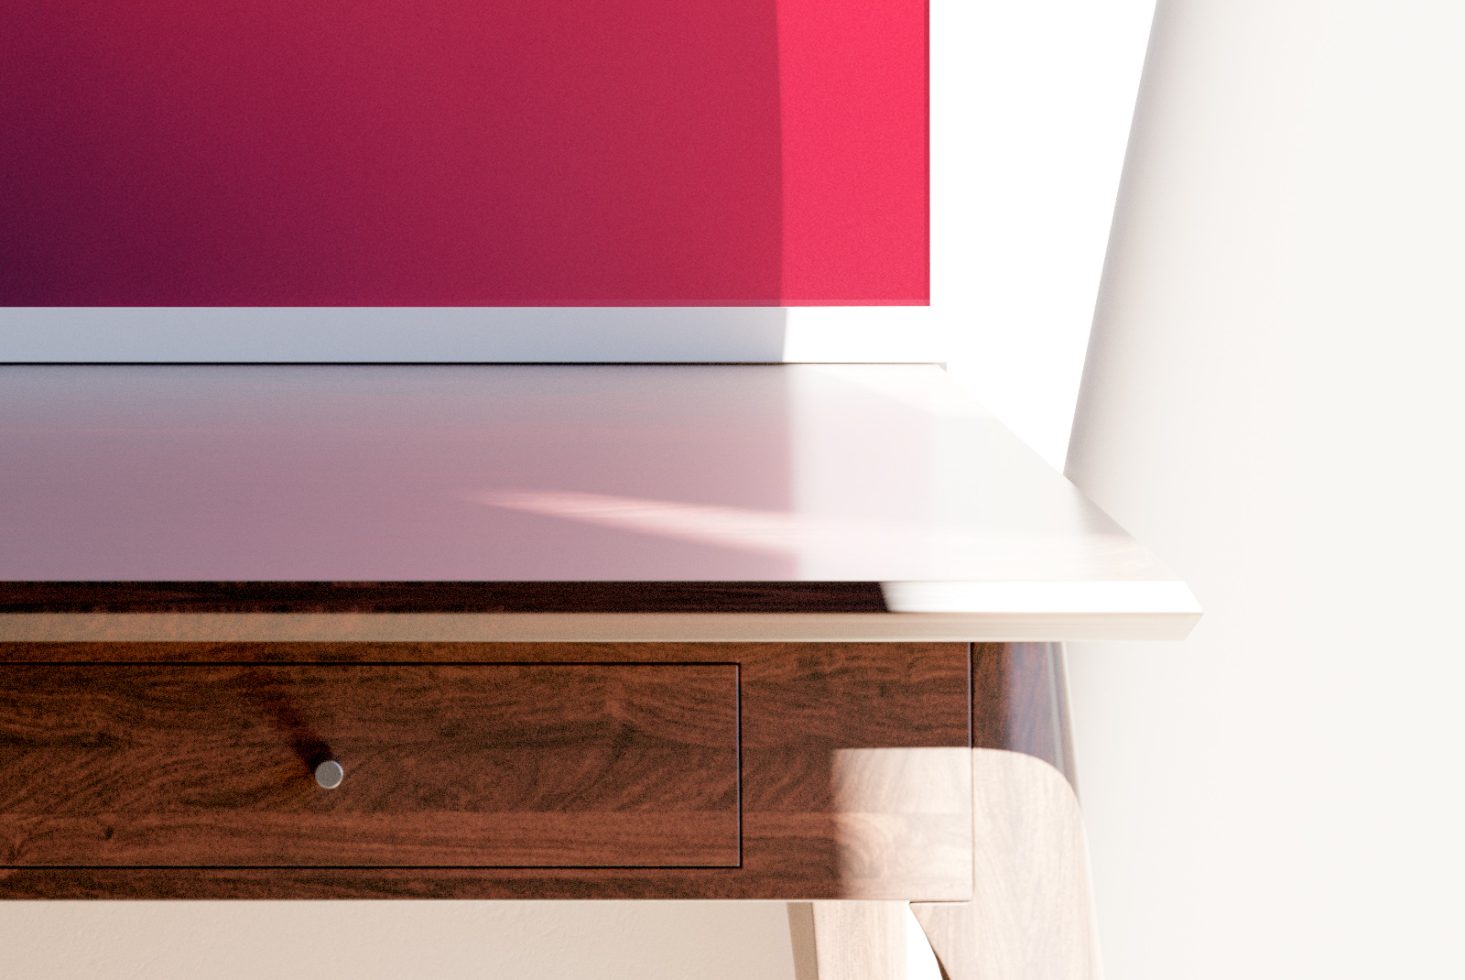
(328, 774)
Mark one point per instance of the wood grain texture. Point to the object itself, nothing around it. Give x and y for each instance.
(1020, 702)
(1030, 916)
(856, 782)
(446, 765)
(1031, 913)
(848, 940)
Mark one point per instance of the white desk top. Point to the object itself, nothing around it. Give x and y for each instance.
(881, 475)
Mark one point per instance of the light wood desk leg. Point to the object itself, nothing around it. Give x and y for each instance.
(1031, 913)
(848, 940)
(1031, 916)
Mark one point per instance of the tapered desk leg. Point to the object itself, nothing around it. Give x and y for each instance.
(848, 940)
(1031, 914)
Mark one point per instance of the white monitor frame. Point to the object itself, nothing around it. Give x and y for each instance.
(802, 334)
(724, 334)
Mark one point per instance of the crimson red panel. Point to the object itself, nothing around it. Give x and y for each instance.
(462, 152)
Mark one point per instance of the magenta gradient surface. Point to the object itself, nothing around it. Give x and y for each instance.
(463, 153)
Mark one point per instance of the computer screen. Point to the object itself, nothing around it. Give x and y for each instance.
(495, 153)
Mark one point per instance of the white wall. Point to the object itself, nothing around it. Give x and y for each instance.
(1031, 105)
(1274, 404)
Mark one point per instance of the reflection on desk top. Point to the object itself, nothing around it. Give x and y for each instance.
(604, 502)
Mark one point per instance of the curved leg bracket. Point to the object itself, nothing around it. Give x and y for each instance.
(1031, 912)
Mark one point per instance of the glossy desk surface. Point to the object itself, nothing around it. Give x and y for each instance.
(649, 502)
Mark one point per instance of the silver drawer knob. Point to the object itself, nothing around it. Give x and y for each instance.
(328, 774)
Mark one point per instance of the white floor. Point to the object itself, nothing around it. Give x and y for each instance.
(407, 941)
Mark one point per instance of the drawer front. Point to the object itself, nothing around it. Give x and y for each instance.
(445, 765)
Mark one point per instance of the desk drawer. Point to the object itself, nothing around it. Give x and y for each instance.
(445, 765)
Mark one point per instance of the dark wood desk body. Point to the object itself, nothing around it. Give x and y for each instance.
(719, 770)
